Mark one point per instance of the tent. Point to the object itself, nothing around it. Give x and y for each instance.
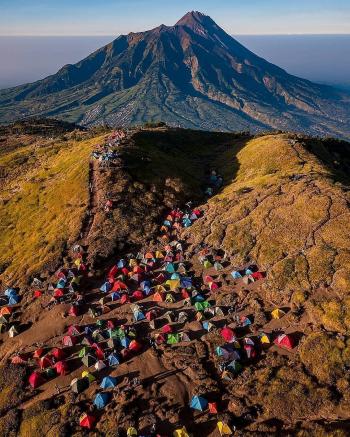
(45, 362)
(224, 429)
(169, 298)
(234, 367)
(78, 385)
(62, 368)
(88, 375)
(68, 340)
(173, 284)
(58, 353)
(207, 264)
(236, 275)
(100, 365)
(135, 346)
(227, 334)
(87, 421)
(284, 340)
(108, 382)
(35, 379)
(277, 313)
(181, 432)
(264, 339)
(198, 403)
(217, 266)
(132, 432)
(74, 330)
(173, 339)
(113, 359)
(12, 331)
(101, 400)
(106, 287)
(213, 408)
(89, 360)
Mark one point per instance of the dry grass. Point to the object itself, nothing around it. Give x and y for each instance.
(43, 201)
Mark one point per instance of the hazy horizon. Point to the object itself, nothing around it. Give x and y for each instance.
(313, 57)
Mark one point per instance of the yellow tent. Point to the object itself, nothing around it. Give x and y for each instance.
(159, 289)
(169, 298)
(88, 375)
(264, 339)
(277, 313)
(181, 433)
(159, 255)
(173, 284)
(224, 429)
(131, 432)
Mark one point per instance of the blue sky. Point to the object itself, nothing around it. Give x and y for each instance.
(114, 17)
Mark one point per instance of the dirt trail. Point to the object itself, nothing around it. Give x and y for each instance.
(93, 202)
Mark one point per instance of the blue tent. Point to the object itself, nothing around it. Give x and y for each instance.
(186, 222)
(108, 382)
(186, 282)
(248, 272)
(175, 276)
(10, 292)
(170, 268)
(113, 360)
(146, 287)
(138, 315)
(198, 403)
(236, 275)
(121, 263)
(14, 299)
(167, 223)
(101, 400)
(125, 342)
(105, 288)
(61, 283)
(115, 296)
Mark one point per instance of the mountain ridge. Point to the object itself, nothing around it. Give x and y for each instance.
(192, 74)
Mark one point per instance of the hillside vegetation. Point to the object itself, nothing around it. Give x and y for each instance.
(44, 195)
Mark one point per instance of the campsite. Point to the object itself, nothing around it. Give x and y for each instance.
(144, 325)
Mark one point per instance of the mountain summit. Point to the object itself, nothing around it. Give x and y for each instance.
(192, 74)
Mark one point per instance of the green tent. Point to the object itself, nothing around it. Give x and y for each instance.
(173, 338)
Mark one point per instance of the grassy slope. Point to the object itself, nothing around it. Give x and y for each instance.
(43, 200)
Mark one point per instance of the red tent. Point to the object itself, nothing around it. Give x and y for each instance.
(74, 311)
(58, 353)
(45, 362)
(58, 292)
(110, 324)
(167, 329)
(151, 315)
(38, 353)
(62, 368)
(135, 346)
(138, 269)
(119, 285)
(125, 271)
(74, 330)
(37, 293)
(138, 295)
(213, 409)
(87, 421)
(124, 299)
(113, 271)
(258, 275)
(35, 379)
(284, 340)
(68, 340)
(208, 279)
(213, 286)
(185, 294)
(227, 334)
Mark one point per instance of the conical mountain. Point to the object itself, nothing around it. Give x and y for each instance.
(192, 74)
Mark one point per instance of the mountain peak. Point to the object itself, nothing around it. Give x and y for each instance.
(194, 18)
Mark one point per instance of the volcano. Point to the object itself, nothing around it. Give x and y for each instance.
(193, 75)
